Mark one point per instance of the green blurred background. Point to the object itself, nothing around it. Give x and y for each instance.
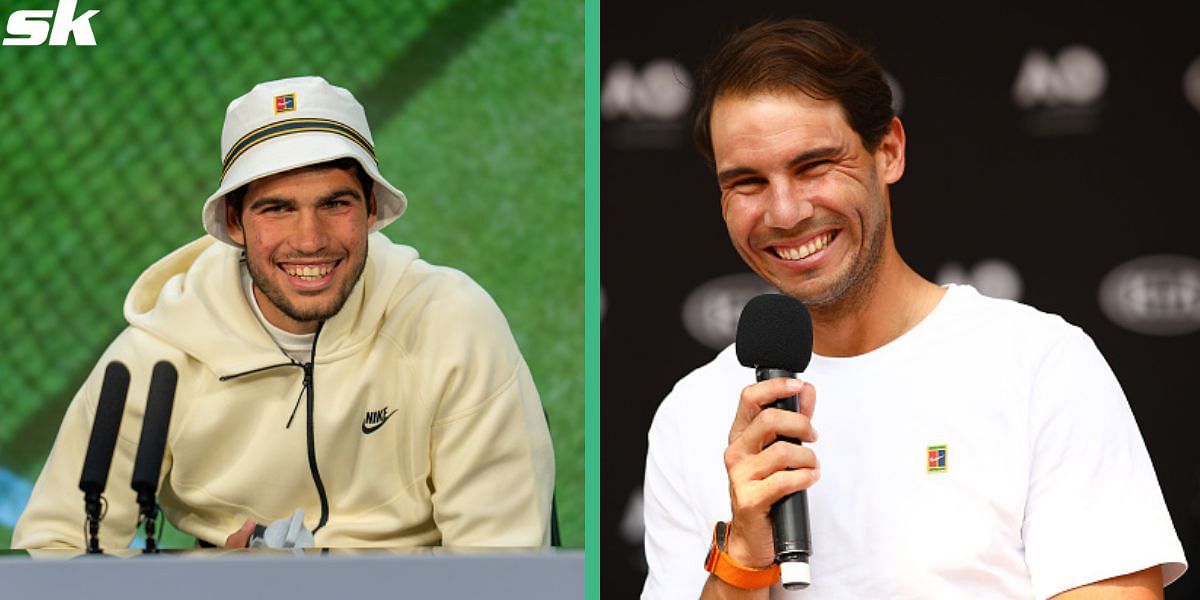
(107, 153)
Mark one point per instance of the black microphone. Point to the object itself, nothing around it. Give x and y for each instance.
(775, 336)
(148, 463)
(109, 410)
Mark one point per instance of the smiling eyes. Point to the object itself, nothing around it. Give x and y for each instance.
(818, 167)
(754, 183)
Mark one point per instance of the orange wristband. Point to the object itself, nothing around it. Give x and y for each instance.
(721, 564)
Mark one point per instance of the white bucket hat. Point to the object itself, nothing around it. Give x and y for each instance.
(290, 123)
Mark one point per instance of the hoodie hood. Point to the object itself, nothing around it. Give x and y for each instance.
(192, 299)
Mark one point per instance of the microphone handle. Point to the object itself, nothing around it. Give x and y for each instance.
(789, 516)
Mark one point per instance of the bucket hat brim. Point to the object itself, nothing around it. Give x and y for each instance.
(269, 158)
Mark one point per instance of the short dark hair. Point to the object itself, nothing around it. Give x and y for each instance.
(237, 197)
(803, 55)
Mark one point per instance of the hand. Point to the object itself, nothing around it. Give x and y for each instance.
(762, 472)
(241, 537)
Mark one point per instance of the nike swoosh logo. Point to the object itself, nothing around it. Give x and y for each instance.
(370, 428)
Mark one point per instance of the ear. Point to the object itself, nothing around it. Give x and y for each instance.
(889, 157)
(233, 225)
(372, 211)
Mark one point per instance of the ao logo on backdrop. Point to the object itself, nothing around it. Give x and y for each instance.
(1191, 83)
(661, 91)
(1063, 93)
(648, 105)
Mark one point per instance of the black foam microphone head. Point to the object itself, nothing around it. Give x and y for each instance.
(159, 403)
(109, 409)
(775, 331)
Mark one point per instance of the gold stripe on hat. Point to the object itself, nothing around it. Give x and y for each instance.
(288, 126)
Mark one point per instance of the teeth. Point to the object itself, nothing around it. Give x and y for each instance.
(309, 271)
(806, 250)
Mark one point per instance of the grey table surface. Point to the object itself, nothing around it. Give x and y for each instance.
(216, 573)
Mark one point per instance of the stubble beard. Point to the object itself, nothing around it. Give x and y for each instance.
(852, 289)
(318, 313)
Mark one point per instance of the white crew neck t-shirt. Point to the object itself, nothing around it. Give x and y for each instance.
(298, 346)
(1046, 484)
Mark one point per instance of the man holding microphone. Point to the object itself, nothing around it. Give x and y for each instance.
(969, 447)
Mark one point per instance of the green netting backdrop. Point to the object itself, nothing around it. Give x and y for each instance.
(107, 153)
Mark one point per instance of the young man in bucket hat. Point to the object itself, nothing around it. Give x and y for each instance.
(420, 423)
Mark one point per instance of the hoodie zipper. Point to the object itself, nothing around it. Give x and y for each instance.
(305, 390)
(312, 448)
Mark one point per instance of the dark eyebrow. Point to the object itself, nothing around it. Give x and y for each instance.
(728, 175)
(282, 201)
(823, 152)
(269, 201)
(814, 154)
(335, 194)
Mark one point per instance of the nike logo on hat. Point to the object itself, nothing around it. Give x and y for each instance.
(375, 419)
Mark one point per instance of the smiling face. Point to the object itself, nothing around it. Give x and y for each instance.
(806, 205)
(305, 235)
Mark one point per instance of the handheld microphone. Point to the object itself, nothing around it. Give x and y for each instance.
(148, 463)
(109, 410)
(774, 335)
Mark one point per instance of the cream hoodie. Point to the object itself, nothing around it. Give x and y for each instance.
(460, 454)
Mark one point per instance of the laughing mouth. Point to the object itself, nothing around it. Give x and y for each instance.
(309, 272)
(805, 250)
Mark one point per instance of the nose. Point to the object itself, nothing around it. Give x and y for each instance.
(787, 205)
(310, 235)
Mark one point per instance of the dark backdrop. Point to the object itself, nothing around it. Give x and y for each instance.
(1052, 158)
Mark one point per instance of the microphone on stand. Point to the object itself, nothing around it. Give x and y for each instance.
(774, 336)
(148, 463)
(109, 410)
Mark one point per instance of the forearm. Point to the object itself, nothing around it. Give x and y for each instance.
(1146, 584)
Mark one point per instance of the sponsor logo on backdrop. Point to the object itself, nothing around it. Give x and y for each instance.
(1154, 295)
(646, 107)
(633, 530)
(633, 526)
(993, 277)
(711, 311)
(1191, 83)
(897, 92)
(1061, 93)
(31, 27)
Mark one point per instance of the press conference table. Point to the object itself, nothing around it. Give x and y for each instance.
(312, 573)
